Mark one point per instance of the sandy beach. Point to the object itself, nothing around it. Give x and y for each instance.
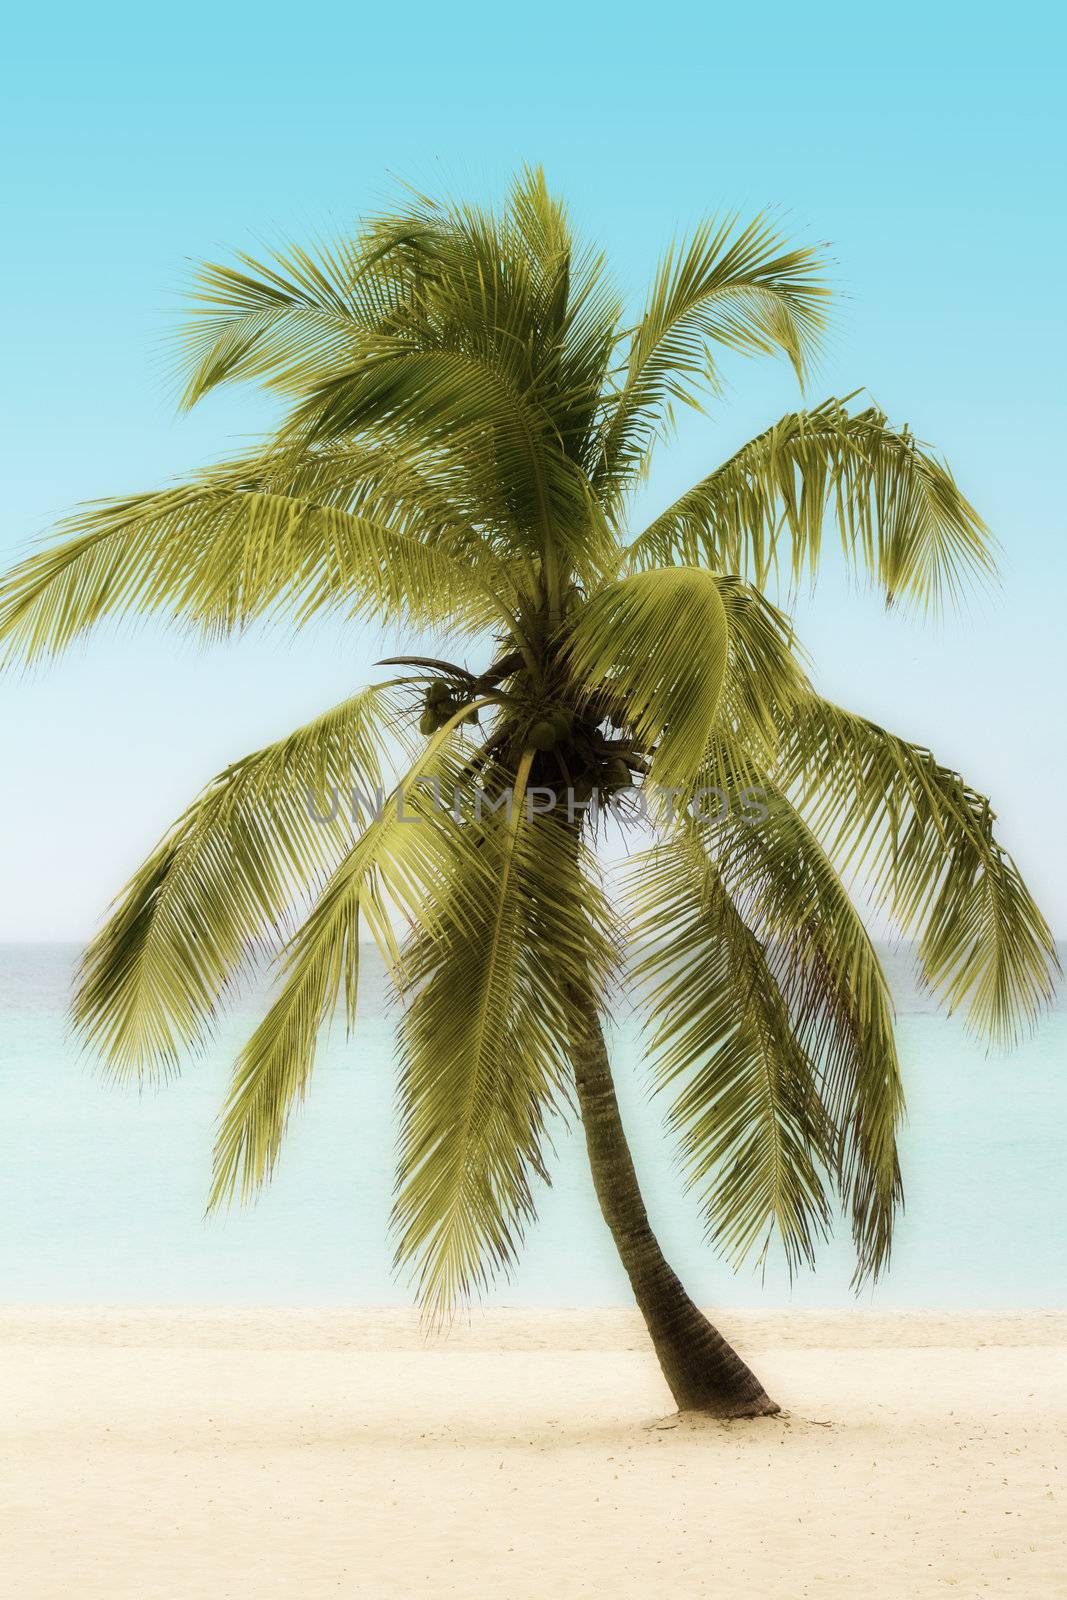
(164, 1453)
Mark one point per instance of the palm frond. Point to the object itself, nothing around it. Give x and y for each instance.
(223, 883)
(389, 870)
(492, 360)
(744, 1100)
(789, 895)
(490, 435)
(659, 641)
(297, 314)
(900, 517)
(765, 677)
(742, 289)
(483, 1045)
(921, 841)
(223, 551)
(284, 319)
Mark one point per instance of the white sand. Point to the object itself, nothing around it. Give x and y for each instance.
(158, 1454)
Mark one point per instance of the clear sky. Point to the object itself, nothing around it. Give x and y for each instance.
(925, 142)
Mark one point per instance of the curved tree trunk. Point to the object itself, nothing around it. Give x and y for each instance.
(703, 1372)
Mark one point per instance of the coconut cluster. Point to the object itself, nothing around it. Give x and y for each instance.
(439, 705)
(567, 742)
(547, 732)
(583, 751)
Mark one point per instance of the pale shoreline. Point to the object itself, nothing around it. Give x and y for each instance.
(190, 1453)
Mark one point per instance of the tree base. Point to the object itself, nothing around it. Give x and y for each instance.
(696, 1415)
(705, 1375)
(699, 1394)
(732, 1410)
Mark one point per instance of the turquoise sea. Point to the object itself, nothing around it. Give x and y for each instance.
(102, 1190)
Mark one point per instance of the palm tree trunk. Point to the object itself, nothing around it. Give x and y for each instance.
(703, 1372)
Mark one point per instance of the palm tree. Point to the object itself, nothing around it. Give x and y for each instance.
(468, 413)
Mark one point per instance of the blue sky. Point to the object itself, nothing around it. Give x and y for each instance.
(926, 144)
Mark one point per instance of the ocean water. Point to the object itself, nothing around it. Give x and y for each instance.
(102, 1189)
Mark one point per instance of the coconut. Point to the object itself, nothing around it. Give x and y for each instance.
(543, 735)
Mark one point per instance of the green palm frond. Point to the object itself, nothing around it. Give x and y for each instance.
(922, 842)
(742, 289)
(389, 871)
(659, 641)
(223, 882)
(900, 517)
(286, 320)
(765, 678)
(483, 1044)
(274, 1068)
(465, 405)
(491, 356)
(221, 552)
(744, 1095)
(789, 895)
